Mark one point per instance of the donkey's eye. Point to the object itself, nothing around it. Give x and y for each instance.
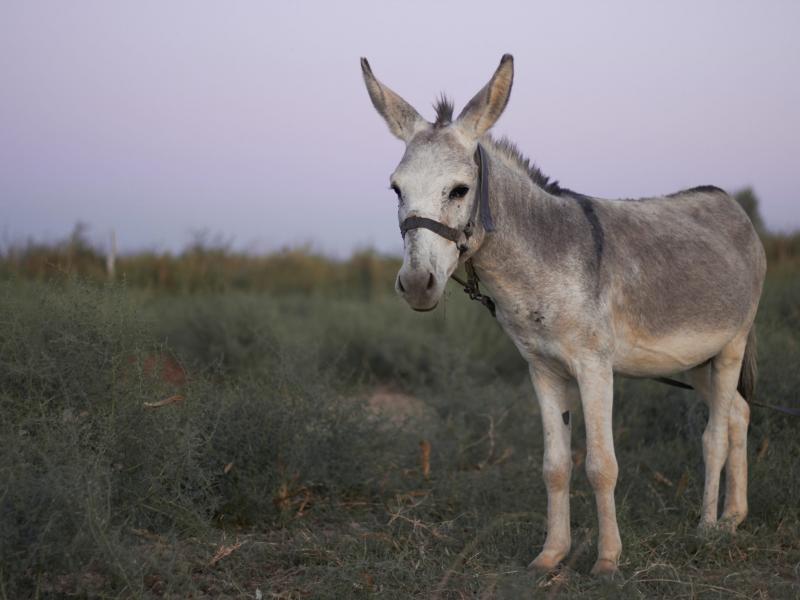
(397, 191)
(458, 192)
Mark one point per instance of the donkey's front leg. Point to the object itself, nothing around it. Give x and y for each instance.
(553, 395)
(596, 383)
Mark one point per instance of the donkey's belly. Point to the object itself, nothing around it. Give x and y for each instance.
(646, 357)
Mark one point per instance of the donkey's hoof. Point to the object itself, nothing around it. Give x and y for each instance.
(711, 531)
(728, 524)
(706, 529)
(546, 562)
(605, 568)
(730, 521)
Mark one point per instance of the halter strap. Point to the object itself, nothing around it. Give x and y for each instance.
(454, 235)
(483, 191)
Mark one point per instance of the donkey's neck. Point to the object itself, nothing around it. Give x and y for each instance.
(541, 240)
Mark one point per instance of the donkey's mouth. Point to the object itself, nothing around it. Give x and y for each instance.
(429, 309)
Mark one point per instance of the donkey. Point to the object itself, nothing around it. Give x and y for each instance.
(586, 288)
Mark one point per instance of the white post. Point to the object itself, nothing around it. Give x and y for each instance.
(111, 254)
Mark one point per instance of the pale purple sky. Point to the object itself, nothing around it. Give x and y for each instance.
(250, 119)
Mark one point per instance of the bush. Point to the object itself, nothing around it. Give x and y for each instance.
(85, 464)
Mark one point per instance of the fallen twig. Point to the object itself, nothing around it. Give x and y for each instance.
(176, 399)
(224, 551)
(425, 458)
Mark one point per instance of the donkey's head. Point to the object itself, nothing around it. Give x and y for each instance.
(437, 180)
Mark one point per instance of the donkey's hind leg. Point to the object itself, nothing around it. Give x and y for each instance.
(736, 467)
(724, 439)
(735, 509)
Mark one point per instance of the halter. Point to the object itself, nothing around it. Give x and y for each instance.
(460, 237)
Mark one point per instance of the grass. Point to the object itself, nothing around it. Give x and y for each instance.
(229, 444)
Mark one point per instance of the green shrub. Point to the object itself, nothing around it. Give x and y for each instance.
(84, 462)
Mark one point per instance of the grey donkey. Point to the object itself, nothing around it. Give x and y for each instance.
(586, 288)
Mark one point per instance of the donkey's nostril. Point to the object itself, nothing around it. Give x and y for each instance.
(431, 282)
(400, 284)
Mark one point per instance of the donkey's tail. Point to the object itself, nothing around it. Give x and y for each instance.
(749, 372)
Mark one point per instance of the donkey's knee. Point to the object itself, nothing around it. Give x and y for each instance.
(715, 445)
(738, 422)
(556, 473)
(602, 471)
(739, 417)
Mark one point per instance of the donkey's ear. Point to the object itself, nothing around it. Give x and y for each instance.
(400, 116)
(487, 105)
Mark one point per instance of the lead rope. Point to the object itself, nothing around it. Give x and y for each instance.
(473, 289)
(786, 410)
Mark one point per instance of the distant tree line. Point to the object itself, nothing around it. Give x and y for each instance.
(748, 200)
(203, 265)
(207, 264)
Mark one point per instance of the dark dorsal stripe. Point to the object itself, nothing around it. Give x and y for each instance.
(598, 236)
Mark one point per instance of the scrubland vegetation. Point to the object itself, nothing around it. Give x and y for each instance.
(212, 424)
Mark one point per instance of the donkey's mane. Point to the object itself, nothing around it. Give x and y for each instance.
(444, 111)
(509, 150)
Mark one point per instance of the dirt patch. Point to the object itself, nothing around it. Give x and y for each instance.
(398, 409)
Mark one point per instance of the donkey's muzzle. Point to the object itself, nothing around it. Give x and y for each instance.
(419, 288)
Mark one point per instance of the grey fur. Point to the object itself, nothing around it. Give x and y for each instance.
(663, 265)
